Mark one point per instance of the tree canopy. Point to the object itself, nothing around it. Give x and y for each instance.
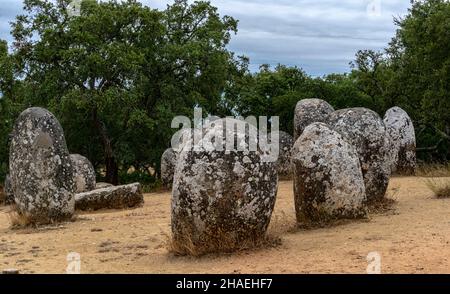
(117, 74)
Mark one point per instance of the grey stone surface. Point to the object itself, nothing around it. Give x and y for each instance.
(168, 162)
(284, 164)
(308, 111)
(223, 195)
(7, 188)
(40, 168)
(102, 185)
(403, 141)
(365, 130)
(84, 175)
(115, 197)
(328, 182)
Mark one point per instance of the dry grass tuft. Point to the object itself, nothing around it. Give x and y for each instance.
(439, 186)
(22, 221)
(433, 170)
(222, 243)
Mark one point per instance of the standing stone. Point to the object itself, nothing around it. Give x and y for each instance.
(168, 162)
(403, 141)
(222, 197)
(8, 191)
(328, 182)
(40, 168)
(84, 175)
(365, 130)
(284, 164)
(309, 111)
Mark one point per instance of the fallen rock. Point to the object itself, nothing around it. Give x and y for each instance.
(168, 162)
(102, 185)
(222, 197)
(403, 141)
(328, 182)
(284, 164)
(116, 197)
(41, 171)
(308, 111)
(84, 175)
(365, 130)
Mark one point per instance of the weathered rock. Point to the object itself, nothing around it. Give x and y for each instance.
(102, 185)
(40, 168)
(7, 188)
(84, 175)
(168, 162)
(284, 164)
(308, 111)
(116, 197)
(403, 141)
(364, 129)
(328, 182)
(222, 197)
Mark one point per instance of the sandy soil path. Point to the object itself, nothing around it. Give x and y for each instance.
(412, 239)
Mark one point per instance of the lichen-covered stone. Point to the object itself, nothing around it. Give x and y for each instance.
(284, 164)
(84, 175)
(40, 168)
(308, 111)
(102, 185)
(115, 197)
(328, 182)
(365, 130)
(168, 162)
(222, 196)
(403, 141)
(7, 188)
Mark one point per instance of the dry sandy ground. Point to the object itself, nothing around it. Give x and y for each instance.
(412, 239)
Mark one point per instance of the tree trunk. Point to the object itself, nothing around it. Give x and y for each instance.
(112, 169)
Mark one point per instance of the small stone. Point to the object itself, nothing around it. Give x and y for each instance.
(403, 141)
(10, 271)
(328, 182)
(84, 175)
(116, 197)
(308, 111)
(365, 130)
(168, 162)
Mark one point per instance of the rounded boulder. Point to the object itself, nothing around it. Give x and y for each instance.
(403, 141)
(365, 130)
(328, 182)
(308, 111)
(84, 176)
(168, 162)
(222, 196)
(41, 170)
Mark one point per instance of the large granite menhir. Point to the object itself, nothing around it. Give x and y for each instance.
(328, 182)
(365, 130)
(41, 171)
(222, 198)
(308, 111)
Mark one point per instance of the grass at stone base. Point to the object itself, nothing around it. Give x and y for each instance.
(19, 220)
(437, 178)
(220, 244)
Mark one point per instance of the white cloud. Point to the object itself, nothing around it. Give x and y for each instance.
(321, 36)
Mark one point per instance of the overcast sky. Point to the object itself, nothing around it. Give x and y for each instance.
(321, 36)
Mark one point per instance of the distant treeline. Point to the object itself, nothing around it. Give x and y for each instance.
(117, 74)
